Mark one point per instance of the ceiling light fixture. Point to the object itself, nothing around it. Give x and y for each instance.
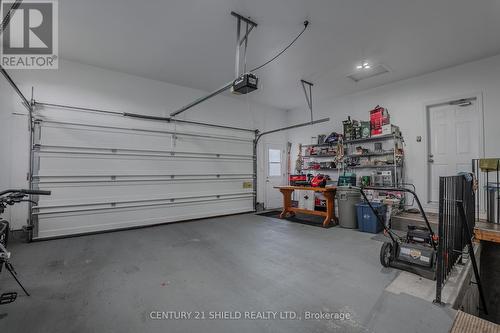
(363, 65)
(365, 73)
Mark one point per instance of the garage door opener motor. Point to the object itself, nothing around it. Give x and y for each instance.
(245, 84)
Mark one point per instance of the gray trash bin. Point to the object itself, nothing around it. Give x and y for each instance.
(347, 198)
(493, 203)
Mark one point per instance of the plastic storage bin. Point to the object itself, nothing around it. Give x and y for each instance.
(493, 199)
(367, 221)
(347, 179)
(347, 198)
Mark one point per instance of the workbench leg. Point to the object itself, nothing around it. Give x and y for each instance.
(287, 202)
(334, 217)
(330, 209)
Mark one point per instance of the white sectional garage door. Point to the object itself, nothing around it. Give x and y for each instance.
(110, 172)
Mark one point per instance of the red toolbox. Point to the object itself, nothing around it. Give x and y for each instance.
(295, 179)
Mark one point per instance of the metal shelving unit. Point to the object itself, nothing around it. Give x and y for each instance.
(322, 157)
(321, 169)
(371, 154)
(309, 159)
(321, 144)
(392, 142)
(372, 166)
(319, 156)
(397, 167)
(374, 138)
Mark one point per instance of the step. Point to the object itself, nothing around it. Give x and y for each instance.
(403, 220)
(466, 323)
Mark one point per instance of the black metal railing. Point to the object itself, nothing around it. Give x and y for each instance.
(452, 232)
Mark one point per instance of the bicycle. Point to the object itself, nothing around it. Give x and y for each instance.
(9, 198)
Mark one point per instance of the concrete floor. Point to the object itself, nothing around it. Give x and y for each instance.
(112, 282)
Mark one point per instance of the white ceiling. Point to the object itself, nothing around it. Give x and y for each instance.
(192, 42)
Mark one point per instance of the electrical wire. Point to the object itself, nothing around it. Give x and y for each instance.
(6, 19)
(306, 23)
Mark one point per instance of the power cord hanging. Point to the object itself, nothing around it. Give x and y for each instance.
(230, 84)
(7, 17)
(306, 24)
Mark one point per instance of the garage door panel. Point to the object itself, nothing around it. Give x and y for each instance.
(72, 136)
(190, 144)
(91, 165)
(111, 172)
(85, 137)
(57, 117)
(61, 179)
(61, 224)
(67, 194)
(89, 207)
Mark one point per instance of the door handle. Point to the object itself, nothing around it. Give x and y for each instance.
(267, 180)
(431, 160)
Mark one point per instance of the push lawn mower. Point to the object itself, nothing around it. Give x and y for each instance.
(416, 252)
(11, 197)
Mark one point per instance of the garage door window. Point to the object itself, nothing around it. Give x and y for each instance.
(274, 162)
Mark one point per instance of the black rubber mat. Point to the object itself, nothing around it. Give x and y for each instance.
(315, 221)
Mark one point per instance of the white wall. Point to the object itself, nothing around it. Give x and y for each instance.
(87, 86)
(406, 102)
(83, 85)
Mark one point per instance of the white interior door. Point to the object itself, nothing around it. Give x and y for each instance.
(274, 175)
(454, 141)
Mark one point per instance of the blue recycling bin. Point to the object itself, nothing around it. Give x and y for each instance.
(367, 221)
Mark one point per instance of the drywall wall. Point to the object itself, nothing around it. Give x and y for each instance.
(87, 86)
(406, 102)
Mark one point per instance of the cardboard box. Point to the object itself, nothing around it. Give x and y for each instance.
(390, 129)
(365, 129)
(306, 199)
(379, 117)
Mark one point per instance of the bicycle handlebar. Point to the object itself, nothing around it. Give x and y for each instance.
(25, 191)
(37, 192)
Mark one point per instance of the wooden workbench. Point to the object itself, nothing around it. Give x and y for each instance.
(486, 231)
(328, 192)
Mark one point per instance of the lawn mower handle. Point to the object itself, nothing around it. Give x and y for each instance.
(387, 230)
(402, 189)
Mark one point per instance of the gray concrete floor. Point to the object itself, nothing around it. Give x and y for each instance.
(112, 282)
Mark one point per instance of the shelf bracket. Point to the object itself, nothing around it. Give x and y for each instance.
(307, 87)
(249, 26)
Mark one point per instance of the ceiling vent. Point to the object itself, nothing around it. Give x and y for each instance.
(367, 73)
